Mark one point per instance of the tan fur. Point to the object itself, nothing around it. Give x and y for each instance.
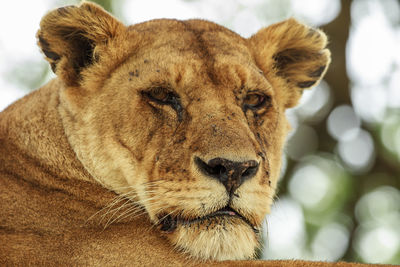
(90, 165)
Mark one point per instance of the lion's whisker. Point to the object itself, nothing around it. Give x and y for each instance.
(114, 202)
(108, 206)
(114, 212)
(134, 213)
(128, 210)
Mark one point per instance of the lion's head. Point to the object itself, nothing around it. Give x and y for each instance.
(186, 118)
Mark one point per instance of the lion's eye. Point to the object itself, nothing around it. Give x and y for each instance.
(255, 100)
(164, 96)
(161, 94)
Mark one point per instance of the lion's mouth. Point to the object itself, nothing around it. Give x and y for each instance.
(169, 223)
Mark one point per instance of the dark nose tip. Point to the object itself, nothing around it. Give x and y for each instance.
(230, 173)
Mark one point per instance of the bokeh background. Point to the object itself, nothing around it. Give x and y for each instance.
(339, 195)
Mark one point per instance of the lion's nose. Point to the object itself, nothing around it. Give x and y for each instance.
(230, 173)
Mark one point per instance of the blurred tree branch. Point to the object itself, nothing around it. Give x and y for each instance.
(338, 33)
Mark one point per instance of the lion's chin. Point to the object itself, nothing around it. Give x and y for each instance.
(218, 238)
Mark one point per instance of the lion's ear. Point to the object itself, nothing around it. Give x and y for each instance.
(68, 37)
(292, 52)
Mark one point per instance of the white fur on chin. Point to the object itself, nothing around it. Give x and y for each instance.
(223, 238)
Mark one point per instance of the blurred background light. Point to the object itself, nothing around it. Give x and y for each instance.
(393, 93)
(342, 122)
(377, 243)
(357, 151)
(138, 11)
(372, 64)
(377, 238)
(370, 102)
(379, 205)
(319, 184)
(371, 43)
(390, 134)
(314, 104)
(242, 21)
(309, 185)
(19, 25)
(330, 242)
(286, 235)
(18, 48)
(311, 10)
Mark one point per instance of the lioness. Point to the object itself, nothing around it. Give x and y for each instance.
(159, 142)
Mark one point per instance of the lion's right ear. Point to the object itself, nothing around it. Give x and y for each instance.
(68, 37)
(294, 53)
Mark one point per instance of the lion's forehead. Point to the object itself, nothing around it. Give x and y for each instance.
(188, 54)
(201, 39)
(187, 73)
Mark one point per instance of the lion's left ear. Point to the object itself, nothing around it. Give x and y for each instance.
(292, 52)
(70, 36)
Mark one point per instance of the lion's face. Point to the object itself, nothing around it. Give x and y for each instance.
(204, 132)
(186, 118)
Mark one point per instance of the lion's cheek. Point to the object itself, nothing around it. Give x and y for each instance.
(229, 240)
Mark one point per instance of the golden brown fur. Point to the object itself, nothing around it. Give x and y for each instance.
(98, 168)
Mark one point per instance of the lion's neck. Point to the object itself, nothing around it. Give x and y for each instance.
(34, 147)
(37, 132)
